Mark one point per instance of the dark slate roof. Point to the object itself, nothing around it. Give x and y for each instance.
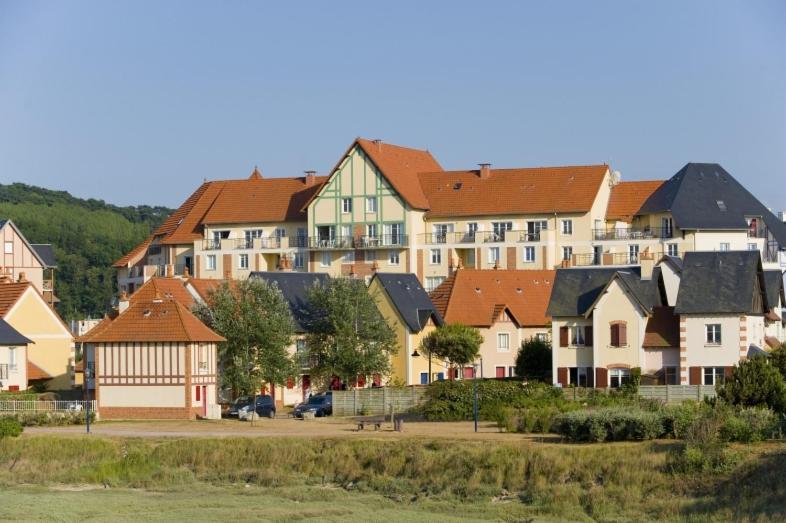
(645, 291)
(692, 196)
(10, 336)
(576, 289)
(294, 286)
(773, 285)
(719, 282)
(675, 261)
(46, 253)
(409, 298)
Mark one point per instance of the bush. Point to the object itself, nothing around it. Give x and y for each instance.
(534, 360)
(677, 419)
(46, 418)
(9, 428)
(609, 424)
(703, 450)
(748, 425)
(755, 383)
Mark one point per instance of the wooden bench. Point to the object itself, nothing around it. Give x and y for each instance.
(376, 421)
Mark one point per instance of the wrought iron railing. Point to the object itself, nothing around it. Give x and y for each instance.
(645, 233)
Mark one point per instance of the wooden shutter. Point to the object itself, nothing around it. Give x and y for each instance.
(563, 336)
(562, 376)
(588, 336)
(601, 378)
(615, 335)
(727, 372)
(622, 334)
(695, 375)
(590, 377)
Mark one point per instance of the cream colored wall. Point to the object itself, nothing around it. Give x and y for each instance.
(21, 259)
(699, 354)
(53, 343)
(711, 240)
(655, 359)
(17, 376)
(755, 325)
(136, 396)
(568, 356)
(618, 305)
(492, 356)
(671, 282)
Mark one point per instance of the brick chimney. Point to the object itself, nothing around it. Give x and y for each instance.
(484, 171)
(284, 263)
(22, 277)
(170, 270)
(186, 272)
(378, 143)
(647, 261)
(310, 178)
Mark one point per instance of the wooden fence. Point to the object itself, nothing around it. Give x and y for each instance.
(665, 393)
(376, 401)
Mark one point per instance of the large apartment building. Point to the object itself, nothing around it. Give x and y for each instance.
(388, 208)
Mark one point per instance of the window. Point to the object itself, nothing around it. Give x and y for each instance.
(671, 376)
(752, 247)
(618, 377)
(325, 261)
(500, 228)
(242, 261)
(299, 260)
(567, 227)
(346, 232)
(371, 204)
(567, 253)
(371, 256)
(280, 232)
(619, 334)
(542, 336)
(493, 254)
(393, 258)
(211, 262)
(503, 342)
(11, 359)
(346, 205)
(713, 331)
(251, 235)
(432, 282)
(441, 231)
(424, 378)
(667, 227)
(392, 234)
(534, 228)
(472, 228)
(529, 254)
(436, 256)
(721, 205)
(577, 336)
(9, 247)
(440, 376)
(633, 253)
(349, 257)
(371, 230)
(578, 376)
(673, 249)
(714, 375)
(511, 372)
(724, 246)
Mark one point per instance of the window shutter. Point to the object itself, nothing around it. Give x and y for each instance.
(615, 335)
(695, 375)
(563, 336)
(601, 378)
(590, 378)
(588, 336)
(562, 376)
(622, 334)
(727, 372)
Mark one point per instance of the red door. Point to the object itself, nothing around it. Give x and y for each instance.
(500, 372)
(204, 401)
(469, 373)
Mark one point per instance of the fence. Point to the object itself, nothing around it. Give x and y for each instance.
(665, 393)
(45, 406)
(376, 401)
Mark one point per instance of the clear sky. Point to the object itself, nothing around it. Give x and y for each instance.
(138, 102)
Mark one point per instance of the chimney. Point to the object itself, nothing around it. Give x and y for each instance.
(375, 266)
(22, 277)
(122, 302)
(647, 261)
(485, 170)
(186, 272)
(310, 179)
(157, 298)
(378, 143)
(170, 270)
(284, 263)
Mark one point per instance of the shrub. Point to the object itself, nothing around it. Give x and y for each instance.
(677, 419)
(9, 428)
(755, 383)
(534, 360)
(46, 418)
(609, 424)
(703, 449)
(748, 425)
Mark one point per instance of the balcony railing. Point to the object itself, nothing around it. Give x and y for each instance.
(211, 245)
(270, 242)
(326, 242)
(525, 236)
(447, 237)
(646, 233)
(496, 236)
(608, 258)
(358, 242)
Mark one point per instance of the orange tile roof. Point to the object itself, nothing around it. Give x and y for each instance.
(663, 329)
(185, 224)
(167, 288)
(204, 286)
(627, 198)
(135, 254)
(34, 372)
(477, 297)
(156, 320)
(538, 190)
(10, 292)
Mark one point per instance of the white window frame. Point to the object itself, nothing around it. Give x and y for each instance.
(11, 359)
(503, 342)
(242, 261)
(371, 204)
(529, 254)
(493, 254)
(634, 251)
(673, 249)
(725, 246)
(435, 257)
(713, 334)
(299, 260)
(714, 374)
(566, 227)
(349, 257)
(325, 260)
(620, 374)
(372, 230)
(346, 205)
(577, 336)
(9, 248)
(210, 262)
(567, 253)
(432, 282)
(394, 258)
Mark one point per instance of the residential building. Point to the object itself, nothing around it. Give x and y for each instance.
(13, 358)
(154, 360)
(507, 306)
(51, 353)
(407, 308)
(773, 320)
(20, 258)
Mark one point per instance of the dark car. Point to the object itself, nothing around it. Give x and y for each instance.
(265, 408)
(321, 405)
(242, 401)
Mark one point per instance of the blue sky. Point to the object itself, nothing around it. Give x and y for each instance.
(138, 102)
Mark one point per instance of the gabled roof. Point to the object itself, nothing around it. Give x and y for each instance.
(38, 257)
(721, 283)
(627, 198)
(773, 285)
(477, 297)
(512, 191)
(705, 196)
(167, 288)
(10, 336)
(577, 289)
(663, 329)
(35, 373)
(674, 261)
(185, 224)
(644, 292)
(156, 320)
(410, 299)
(134, 255)
(46, 253)
(294, 287)
(10, 292)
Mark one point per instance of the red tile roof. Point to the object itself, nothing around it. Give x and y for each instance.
(477, 297)
(135, 254)
(627, 198)
(663, 329)
(537, 190)
(204, 286)
(10, 292)
(34, 372)
(167, 288)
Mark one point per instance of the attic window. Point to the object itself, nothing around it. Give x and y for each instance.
(457, 186)
(477, 289)
(146, 314)
(721, 205)
(518, 290)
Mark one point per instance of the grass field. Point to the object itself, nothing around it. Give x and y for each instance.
(56, 478)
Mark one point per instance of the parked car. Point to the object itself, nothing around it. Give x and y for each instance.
(242, 401)
(265, 408)
(321, 405)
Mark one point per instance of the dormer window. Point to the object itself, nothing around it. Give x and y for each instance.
(721, 205)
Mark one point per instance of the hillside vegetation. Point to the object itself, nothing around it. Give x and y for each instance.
(87, 236)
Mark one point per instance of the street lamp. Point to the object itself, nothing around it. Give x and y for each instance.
(475, 391)
(86, 378)
(416, 354)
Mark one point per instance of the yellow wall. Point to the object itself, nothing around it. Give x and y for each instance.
(617, 305)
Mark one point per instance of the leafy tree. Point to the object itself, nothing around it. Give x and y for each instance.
(534, 360)
(754, 382)
(778, 359)
(348, 337)
(454, 343)
(255, 319)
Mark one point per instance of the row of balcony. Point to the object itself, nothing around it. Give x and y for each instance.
(645, 233)
(480, 237)
(607, 258)
(311, 242)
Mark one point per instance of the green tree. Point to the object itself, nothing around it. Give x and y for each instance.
(778, 359)
(534, 360)
(755, 383)
(348, 337)
(455, 343)
(255, 319)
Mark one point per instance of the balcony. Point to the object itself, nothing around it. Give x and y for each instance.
(358, 242)
(211, 245)
(647, 233)
(447, 237)
(330, 243)
(529, 236)
(608, 258)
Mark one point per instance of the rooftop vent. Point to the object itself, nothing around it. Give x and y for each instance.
(477, 289)
(721, 205)
(457, 186)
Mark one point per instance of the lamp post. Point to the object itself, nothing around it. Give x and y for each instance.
(475, 394)
(86, 378)
(416, 354)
